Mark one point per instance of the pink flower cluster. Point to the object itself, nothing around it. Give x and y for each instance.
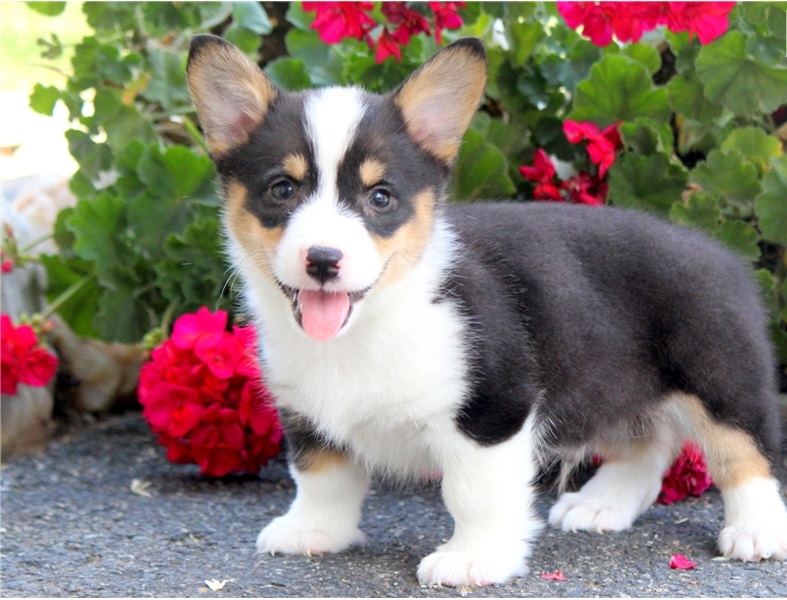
(688, 476)
(584, 188)
(22, 358)
(336, 21)
(203, 396)
(628, 21)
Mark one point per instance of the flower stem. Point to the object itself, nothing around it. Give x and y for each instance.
(192, 129)
(67, 295)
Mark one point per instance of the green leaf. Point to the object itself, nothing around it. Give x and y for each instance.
(651, 183)
(194, 271)
(121, 317)
(737, 81)
(525, 37)
(97, 225)
(251, 16)
(771, 205)
(686, 97)
(44, 98)
(741, 237)
(568, 71)
(645, 55)
(700, 210)
(756, 145)
(646, 136)
(481, 170)
(324, 65)
(93, 158)
(174, 181)
(167, 84)
(289, 73)
(619, 89)
(730, 175)
(249, 23)
(50, 9)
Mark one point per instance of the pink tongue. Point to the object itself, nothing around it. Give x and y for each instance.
(322, 313)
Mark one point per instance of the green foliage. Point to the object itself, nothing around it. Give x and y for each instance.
(703, 144)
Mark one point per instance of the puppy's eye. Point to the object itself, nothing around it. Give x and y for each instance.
(380, 198)
(283, 189)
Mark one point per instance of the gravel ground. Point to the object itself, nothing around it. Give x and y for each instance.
(71, 526)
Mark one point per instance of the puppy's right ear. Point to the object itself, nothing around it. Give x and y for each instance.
(231, 93)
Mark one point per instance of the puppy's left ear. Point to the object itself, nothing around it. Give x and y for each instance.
(439, 100)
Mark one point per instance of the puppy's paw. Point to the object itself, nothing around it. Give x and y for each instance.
(580, 511)
(463, 568)
(289, 535)
(755, 542)
(756, 523)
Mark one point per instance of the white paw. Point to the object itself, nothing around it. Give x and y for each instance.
(288, 535)
(754, 543)
(580, 511)
(463, 568)
(756, 522)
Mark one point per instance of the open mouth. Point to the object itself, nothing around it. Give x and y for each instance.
(322, 314)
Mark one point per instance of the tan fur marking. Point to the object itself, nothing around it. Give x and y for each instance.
(405, 247)
(318, 461)
(457, 89)
(372, 172)
(296, 166)
(733, 457)
(258, 242)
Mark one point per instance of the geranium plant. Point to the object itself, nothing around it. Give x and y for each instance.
(695, 90)
(203, 396)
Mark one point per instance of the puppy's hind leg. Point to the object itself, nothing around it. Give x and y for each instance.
(755, 517)
(624, 486)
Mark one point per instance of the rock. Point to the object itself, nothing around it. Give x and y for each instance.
(106, 374)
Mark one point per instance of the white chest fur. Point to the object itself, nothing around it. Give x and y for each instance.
(389, 387)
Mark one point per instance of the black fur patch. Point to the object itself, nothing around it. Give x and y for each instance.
(381, 135)
(604, 311)
(303, 440)
(258, 164)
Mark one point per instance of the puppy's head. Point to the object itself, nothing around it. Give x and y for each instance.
(330, 193)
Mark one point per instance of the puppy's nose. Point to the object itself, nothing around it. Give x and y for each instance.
(323, 263)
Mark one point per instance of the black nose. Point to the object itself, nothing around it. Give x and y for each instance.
(323, 263)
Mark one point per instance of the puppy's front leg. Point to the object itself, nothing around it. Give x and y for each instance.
(489, 493)
(327, 508)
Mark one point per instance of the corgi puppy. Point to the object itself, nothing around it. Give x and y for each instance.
(404, 336)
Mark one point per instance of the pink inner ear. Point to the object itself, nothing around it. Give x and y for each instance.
(241, 127)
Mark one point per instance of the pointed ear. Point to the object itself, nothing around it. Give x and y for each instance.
(231, 93)
(440, 98)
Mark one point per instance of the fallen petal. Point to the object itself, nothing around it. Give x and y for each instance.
(554, 576)
(678, 561)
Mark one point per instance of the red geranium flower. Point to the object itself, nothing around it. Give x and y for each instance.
(387, 46)
(445, 17)
(627, 21)
(22, 359)
(203, 396)
(602, 145)
(688, 476)
(409, 21)
(586, 189)
(707, 19)
(338, 20)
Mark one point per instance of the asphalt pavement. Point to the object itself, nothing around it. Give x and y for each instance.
(102, 513)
